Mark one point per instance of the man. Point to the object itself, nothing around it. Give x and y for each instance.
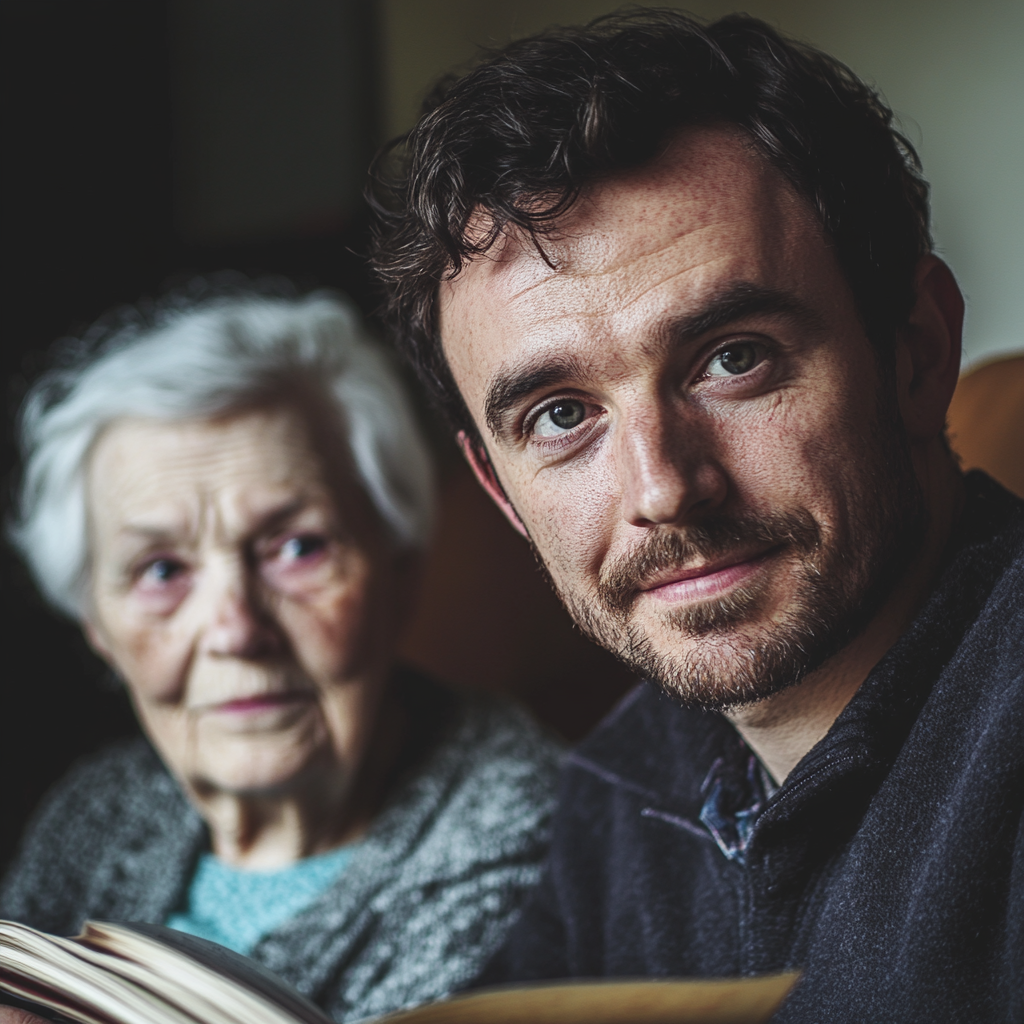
(674, 288)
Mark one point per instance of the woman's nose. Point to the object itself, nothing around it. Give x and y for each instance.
(239, 628)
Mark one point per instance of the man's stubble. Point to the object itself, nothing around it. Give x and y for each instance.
(843, 575)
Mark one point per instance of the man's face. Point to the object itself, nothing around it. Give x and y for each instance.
(687, 418)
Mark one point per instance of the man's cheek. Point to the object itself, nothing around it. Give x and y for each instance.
(572, 545)
(768, 460)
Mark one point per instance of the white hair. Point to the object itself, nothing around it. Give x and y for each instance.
(203, 360)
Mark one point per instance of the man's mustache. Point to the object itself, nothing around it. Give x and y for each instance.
(668, 548)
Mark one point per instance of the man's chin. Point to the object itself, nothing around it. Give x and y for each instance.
(738, 649)
(721, 669)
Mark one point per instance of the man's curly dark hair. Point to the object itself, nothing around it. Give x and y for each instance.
(518, 137)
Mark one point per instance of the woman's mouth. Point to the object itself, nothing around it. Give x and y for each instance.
(263, 702)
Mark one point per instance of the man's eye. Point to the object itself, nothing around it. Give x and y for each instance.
(303, 546)
(560, 417)
(740, 357)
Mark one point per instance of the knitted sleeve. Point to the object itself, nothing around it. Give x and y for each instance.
(75, 831)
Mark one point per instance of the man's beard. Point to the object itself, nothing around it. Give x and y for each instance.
(842, 578)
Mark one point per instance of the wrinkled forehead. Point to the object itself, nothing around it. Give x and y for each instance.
(142, 467)
(710, 210)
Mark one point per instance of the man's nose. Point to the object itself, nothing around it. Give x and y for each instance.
(238, 625)
(667, 470)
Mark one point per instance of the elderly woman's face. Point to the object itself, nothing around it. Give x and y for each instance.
(245, 591)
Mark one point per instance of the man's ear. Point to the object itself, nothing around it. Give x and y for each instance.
(928, 350)
(479, 462)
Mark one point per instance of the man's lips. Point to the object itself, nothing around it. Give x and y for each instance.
(699, 583)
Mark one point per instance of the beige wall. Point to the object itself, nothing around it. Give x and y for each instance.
(953, 71)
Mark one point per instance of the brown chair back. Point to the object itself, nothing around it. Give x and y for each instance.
(986, 421)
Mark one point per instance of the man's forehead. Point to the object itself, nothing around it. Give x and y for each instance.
(709, 197)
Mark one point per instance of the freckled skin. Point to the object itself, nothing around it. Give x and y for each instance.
(226, 511)
(668, 439)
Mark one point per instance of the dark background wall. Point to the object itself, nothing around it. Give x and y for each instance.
(87, 223)
(146, 142)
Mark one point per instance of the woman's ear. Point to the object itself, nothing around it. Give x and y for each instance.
(480, 463)
(95, 640)
(928, 350)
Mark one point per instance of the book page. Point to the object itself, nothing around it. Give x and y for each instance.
(35, 967)
(239, 986)
(647, 1001)
(117, 974)
(189, 998)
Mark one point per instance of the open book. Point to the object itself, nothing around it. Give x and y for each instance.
(145, 974)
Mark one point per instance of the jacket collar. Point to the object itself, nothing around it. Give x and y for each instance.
(864, 741)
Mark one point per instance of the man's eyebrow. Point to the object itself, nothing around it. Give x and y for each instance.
(737, 302)
(508, 388)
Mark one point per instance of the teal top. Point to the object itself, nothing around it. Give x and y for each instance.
(237, 908)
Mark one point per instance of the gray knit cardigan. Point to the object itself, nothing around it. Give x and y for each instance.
(426, 899)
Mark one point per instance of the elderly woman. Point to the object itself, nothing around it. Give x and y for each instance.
(232, 499)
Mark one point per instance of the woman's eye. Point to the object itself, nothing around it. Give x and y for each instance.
(738, 358)
(163, 571)
(558, 418)
(296, 548)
